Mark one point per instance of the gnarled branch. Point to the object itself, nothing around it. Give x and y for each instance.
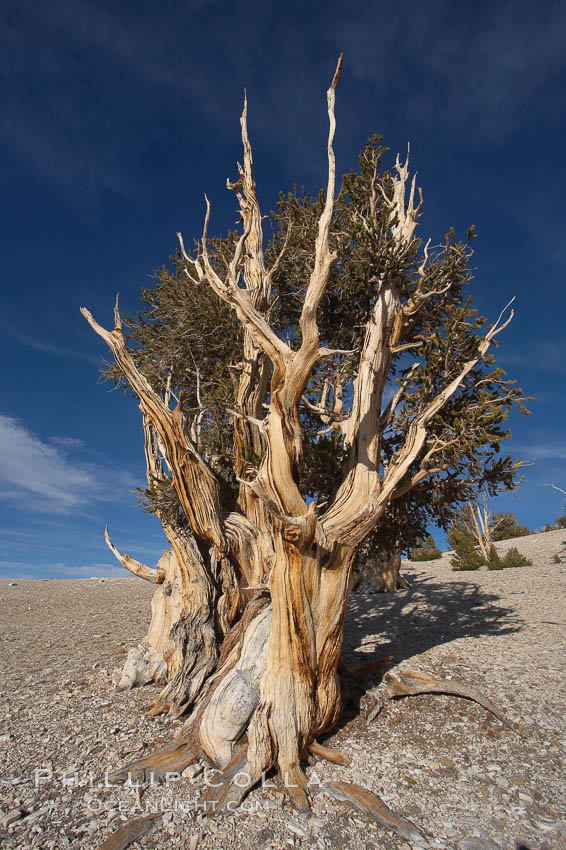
(135, 567)
(196, 485)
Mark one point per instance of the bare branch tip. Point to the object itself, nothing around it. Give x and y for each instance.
(117, 319)
(337, 73)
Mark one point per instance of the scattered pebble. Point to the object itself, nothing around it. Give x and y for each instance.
(10, 817)
(464, 779)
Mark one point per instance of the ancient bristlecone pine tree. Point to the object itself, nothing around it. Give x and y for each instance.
(248, 633)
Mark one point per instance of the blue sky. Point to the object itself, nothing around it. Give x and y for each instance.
(117, 117)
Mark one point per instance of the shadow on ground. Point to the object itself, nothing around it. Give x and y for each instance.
(427, 614)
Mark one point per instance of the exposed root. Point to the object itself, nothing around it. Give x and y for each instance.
(156, 708)
(377, 708)
(130, 832)
(369, 803)
(327, 753)
(243, 770)
(143, 665)
(175, 757)
(403, 684)
(366, 668)
(295, 783)
(234, 783)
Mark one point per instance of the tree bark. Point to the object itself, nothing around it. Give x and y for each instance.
(387, 571)
(180, 649)
(381, 571)
(191, 610)
(272, 687)
(146, 662)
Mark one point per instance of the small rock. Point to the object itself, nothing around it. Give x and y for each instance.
(10, 817)
(33, 816)
(192, 771)
(12, 584)
(478, 844)
(296, 829)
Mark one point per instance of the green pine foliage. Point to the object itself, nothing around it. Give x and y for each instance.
(466, 556)
(425, 550)
(514, 558)
(507, 527)
(494, 562)
(189, 341)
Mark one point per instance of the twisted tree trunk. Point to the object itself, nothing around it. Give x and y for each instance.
(388, 571)
(250, 615)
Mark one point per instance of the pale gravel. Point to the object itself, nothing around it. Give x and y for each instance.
(467, 781)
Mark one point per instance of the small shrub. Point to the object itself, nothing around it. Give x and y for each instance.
(550, 527)
(494, 562)
(427, 551)
(513, 558)
(556, 560)
(466, 556)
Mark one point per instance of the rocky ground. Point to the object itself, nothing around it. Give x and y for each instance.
(454, 770)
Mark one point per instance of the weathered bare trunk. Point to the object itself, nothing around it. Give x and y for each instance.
(271, 580)
(382, 571)
(146, 662)
(192, 609)
(281, 682)
(387, 571)
(191, 646)
(189, 616)
(481, 527)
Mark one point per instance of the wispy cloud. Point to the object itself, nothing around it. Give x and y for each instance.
(48, 347)
(39, 472)
(555, 451)
(60, 569)
(79, 54)
(477, 69)
(40, 475)
(68, 442)
(546, 355)
(482, 69)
